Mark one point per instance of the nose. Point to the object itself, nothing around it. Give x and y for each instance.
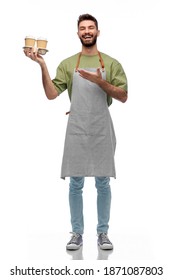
(86, 30)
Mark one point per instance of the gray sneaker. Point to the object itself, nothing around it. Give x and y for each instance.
(104, 242)
(75, 242)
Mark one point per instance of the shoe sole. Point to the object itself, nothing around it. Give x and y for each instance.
(106, 246)
(73, 247)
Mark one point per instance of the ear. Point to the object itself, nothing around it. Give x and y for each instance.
(98, 33)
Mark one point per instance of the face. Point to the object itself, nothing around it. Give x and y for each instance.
(88, 33)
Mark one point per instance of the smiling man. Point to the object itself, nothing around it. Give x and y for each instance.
(93, 79)
(88, 33)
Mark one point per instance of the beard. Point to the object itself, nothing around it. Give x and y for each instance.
(89, 44)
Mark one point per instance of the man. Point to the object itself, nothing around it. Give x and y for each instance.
(92, 80)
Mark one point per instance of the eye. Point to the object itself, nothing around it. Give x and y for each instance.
(82, 28)
(91, 27)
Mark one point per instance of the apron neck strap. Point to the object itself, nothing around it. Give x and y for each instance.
(78, 61)
(100, 60)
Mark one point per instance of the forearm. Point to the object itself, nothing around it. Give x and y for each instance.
(113, 91)
(48, 86)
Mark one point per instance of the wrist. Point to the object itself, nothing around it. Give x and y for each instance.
(42, 64)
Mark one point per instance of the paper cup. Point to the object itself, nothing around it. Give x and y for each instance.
(41, 43)
(29, 41)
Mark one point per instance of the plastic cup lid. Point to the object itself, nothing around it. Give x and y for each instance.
(42, 38)
(30, 37)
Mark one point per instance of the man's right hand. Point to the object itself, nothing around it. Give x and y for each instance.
(32, 54)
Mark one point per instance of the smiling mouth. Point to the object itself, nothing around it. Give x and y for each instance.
(87, 37)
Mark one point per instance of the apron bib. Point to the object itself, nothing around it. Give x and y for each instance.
(90, 139)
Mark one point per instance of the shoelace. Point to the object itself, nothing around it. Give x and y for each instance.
(104, 238)
(74, 236)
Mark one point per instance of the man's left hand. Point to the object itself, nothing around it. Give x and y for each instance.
(94, 77)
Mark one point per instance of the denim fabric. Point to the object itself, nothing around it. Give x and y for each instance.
(76, 203)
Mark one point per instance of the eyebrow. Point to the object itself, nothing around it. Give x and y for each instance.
(82, 26)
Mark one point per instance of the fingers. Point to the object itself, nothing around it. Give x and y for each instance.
(31, 53)
(28, 51)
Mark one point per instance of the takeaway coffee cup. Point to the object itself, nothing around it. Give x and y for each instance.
(41, 43)
(30, 41)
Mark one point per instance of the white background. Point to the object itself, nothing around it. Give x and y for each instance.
(35, 221)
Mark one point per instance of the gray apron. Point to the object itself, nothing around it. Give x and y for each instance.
(90, 139)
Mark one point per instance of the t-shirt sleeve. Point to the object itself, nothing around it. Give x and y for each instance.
(60, 81)
(119, 78)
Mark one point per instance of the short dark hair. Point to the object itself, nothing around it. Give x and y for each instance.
(87, 17)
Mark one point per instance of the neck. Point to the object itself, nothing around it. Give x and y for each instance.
(89, 51)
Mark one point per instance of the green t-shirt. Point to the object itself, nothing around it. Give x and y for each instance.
(115, 74)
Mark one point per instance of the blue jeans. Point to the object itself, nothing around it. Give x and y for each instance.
(103, 203)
